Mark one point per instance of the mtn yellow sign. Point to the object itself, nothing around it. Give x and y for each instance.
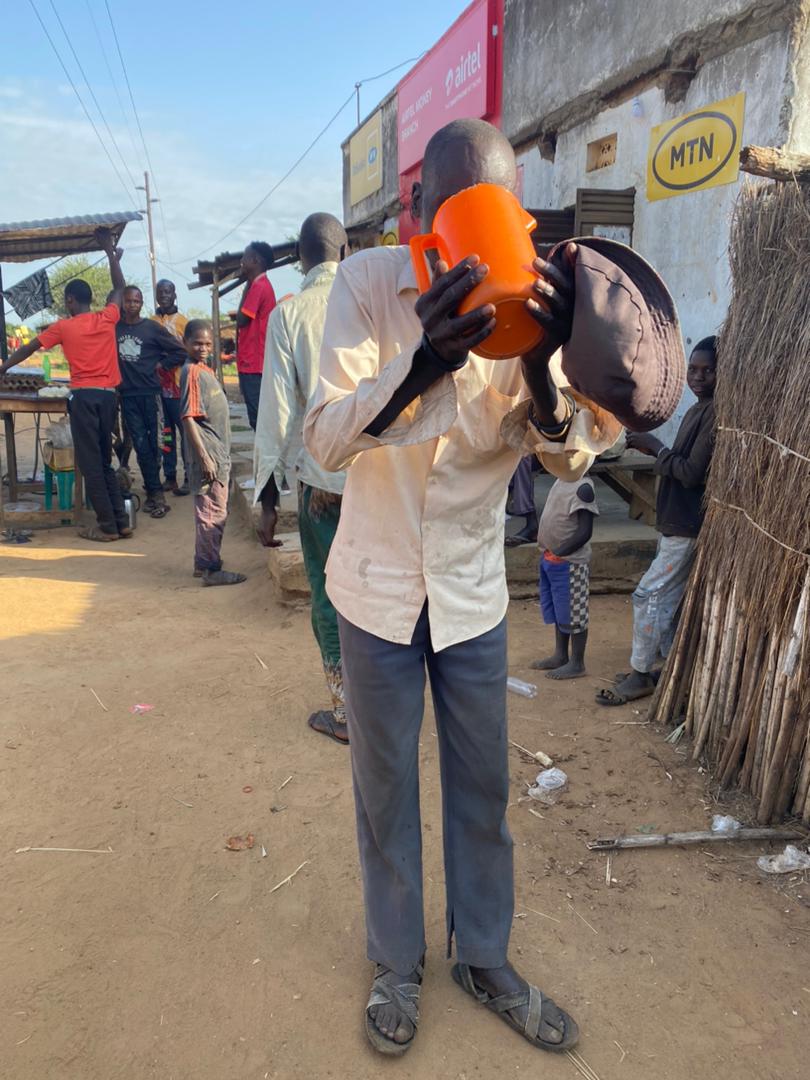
(365, 160)
(696, 151)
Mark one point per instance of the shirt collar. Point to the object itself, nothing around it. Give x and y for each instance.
(407, 278)
(318, 274)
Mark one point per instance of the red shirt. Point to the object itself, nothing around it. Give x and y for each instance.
(89, 344)
(258, 303)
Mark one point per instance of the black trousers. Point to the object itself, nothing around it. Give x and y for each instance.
(140, 414)
(250, 386)
(92, 418)
(173, 427)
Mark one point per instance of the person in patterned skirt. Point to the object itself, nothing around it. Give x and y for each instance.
(564, 538)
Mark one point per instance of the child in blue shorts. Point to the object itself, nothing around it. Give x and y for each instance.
(564, 538)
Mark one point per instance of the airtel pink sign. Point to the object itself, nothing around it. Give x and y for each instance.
(452, 82)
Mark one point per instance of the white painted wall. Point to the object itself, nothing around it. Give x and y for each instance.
(685, 237)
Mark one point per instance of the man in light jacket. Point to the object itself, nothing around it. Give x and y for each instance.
(291, 369)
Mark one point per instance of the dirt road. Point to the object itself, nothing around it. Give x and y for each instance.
(171, 957)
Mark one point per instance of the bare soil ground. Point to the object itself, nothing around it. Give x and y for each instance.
(171, 957)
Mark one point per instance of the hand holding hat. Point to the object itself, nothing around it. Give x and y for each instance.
(553, 305)
(624, 351)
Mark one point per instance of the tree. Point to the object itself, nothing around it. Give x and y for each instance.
(79, 266)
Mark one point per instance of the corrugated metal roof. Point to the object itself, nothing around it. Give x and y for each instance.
(24, 241)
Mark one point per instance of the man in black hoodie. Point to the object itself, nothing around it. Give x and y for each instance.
(142, 345)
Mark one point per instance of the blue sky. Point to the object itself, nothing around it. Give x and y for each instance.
(228, 96)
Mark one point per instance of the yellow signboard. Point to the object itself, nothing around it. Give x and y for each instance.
(696, 151)
(365, 160)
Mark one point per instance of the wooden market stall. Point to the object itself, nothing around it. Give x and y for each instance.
(29, 241)
(221, 275)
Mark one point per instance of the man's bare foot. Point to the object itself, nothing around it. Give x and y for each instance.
(574, 669)
(505, 980)
(550, 663)
(222, 577)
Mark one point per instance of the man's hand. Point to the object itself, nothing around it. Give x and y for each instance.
(266, 528)
(451, 335)
(104, 239)
(553, 303)
(646, 444)
(208, 469)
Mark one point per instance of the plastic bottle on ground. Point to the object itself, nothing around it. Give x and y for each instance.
(549, 786)
(518, 686)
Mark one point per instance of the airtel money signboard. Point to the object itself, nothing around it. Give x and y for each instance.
(455, 80)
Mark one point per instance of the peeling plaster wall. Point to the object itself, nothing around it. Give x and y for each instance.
(799, 128)
(684, 237)
(562, 58)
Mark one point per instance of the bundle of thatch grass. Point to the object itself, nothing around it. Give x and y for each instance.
(738, 672)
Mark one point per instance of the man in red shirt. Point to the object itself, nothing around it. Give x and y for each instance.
(258, 300)
(89, 344)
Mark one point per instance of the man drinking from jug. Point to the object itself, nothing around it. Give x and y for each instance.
(433, 432)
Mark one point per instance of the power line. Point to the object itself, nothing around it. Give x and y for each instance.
(113, 81)
(81, 102)
(182, 273)
(278, 184)
(91, 91)
(140, 128)
(301, 157)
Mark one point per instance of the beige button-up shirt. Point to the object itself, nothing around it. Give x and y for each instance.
(291, 358)
(423, 510)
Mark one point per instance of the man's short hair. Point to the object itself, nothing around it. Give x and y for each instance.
(80, 291)
(321, 240)
(193, 325)
(134, 288)
(707, 344)
(264, 251)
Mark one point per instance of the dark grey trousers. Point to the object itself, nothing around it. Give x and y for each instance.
(385, 693)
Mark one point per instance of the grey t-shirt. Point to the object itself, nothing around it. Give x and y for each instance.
(558, 522)
(203, 400)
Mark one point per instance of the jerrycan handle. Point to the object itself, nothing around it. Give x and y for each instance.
(419, 246)
(529, 222)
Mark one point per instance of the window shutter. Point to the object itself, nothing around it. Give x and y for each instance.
(605, 213)
(552, 227)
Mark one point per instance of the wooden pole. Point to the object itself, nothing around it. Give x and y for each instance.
(775, 164)
(616, 843)
(152, 260)
(3, 339)
(215, 324)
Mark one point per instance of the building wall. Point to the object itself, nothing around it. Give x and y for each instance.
(799, 119)
(684, 237)
(375, 206)
(562, 56)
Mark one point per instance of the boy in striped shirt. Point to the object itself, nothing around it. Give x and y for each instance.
(206, 422)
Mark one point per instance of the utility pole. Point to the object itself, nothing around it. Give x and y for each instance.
(145, 187)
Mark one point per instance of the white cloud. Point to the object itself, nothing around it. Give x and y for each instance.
(53, 165)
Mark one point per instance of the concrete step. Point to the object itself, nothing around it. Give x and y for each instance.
(286, 568)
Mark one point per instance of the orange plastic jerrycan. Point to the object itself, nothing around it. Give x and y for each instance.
(487, 220)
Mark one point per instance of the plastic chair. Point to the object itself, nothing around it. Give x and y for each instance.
(64, 488)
